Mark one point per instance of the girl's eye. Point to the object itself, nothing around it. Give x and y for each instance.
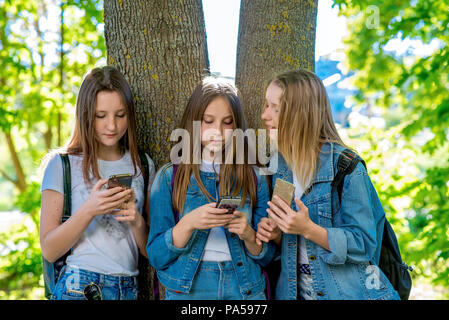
(100, 116)
(228, 122)
(208, 122)
(121, 115)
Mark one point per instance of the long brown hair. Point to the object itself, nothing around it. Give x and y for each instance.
(82, 141)
(238, 177)
(305, 118)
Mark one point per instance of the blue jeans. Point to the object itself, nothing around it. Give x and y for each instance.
(72, 282)
(214, 281)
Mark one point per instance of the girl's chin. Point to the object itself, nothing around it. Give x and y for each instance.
(109, 144)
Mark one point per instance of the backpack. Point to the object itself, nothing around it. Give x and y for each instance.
(50, 270)
(271, 271)
(390, 261)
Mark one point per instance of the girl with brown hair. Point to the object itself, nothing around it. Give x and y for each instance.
(106, 230)
(209, 252)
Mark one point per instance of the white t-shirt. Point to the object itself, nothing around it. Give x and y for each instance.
(299, 191)
(217, 248)
(106, 246)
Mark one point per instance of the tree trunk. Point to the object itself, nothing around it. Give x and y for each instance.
(20, 181)
(274, 36)
(160, 47)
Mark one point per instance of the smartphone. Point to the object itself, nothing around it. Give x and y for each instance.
(285, 190)
(120, 180)
(230, 203)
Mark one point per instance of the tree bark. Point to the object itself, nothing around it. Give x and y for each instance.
(274, 36)
(160, 47)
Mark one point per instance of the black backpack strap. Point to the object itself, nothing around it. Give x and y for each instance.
(67, 211)
(175, 168)
(146, 178)
(347, 162)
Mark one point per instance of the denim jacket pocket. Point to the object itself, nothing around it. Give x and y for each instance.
(324, 214)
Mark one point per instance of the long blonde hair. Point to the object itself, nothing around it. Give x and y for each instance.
(305, 122)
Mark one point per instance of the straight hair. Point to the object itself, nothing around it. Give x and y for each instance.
(305, 122)
(82, 140)
(238, 177)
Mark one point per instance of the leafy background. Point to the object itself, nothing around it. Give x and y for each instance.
(398, 122)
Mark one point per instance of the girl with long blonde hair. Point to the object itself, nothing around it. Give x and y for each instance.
(330, 249)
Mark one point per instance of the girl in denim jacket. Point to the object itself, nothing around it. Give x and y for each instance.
(330, 250)
(209, 253)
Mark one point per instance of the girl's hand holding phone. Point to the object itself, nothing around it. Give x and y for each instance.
(267, 230)
(129, 211)
(206, 217)
(239, 225)
(289, 220)
(103, 201)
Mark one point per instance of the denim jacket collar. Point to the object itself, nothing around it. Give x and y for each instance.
(326, 160)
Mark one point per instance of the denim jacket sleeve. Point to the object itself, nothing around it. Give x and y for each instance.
(260, 211)
(160, 249)
(354, 238)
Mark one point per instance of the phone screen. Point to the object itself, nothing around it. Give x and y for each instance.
(230, 203)
(120, 180)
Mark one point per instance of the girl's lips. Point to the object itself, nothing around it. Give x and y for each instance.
(110, 135)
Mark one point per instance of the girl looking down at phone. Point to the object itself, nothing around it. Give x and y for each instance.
(106, 230)
(209, 253)
(330, 249)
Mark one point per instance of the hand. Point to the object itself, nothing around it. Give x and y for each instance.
(288, 220)
(206, 217)
(267, 230)
(129, 211)
(104, 201)
(239, 225)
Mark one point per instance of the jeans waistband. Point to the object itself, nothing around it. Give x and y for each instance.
(101, 278)
(216, 265)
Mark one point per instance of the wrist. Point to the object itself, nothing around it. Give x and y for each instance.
(249, 235)
(308, 230)
(185, 225)
(88, 211)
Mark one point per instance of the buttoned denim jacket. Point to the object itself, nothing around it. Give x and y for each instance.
(176, 267)
(350, 269)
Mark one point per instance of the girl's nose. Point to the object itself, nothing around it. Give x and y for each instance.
(111, 125)
(266, 114)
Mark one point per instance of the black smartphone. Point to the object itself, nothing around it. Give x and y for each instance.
(230, 203)
(120, 180)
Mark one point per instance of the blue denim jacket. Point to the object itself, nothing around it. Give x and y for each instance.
(176, 267)
(349, 270)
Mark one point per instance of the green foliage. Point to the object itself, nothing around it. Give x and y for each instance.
(21, 263)
(409, 89)
(42, 69)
